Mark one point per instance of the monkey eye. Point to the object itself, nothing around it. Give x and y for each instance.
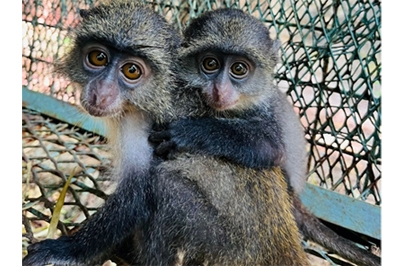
(97, 58)
(239, 70)
(131, 71)
(210, 65)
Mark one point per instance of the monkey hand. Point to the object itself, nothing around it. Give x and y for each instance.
(164, 146)
(172, 139)
(50, 251)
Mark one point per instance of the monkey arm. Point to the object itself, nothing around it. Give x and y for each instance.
(120, 214)
(251, 142)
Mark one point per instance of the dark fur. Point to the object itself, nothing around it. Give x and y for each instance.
(226, 138)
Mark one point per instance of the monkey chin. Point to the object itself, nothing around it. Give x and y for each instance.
(223, 105)
(100, 112)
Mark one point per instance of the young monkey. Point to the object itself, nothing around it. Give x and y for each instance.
(122, 59)
(235, 112)
(227, 72)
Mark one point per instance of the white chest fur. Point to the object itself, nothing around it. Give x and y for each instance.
(129, 143)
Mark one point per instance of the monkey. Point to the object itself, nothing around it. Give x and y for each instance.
(220, 80)
(209, 182)
(122, 59)
(192, 210)
(124, 76)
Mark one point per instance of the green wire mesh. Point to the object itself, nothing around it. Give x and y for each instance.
(330, 69)
(51, 152)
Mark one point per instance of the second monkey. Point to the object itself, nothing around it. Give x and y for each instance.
(237, 114)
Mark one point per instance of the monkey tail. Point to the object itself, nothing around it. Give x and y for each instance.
(315, 230)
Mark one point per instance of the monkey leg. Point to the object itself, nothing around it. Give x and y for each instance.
(121, 214)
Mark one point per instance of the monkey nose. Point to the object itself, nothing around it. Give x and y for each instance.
(220, 92)
(224, 96)
(216, 94)
(103, 97)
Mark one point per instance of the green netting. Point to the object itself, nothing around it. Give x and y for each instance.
(330, 69)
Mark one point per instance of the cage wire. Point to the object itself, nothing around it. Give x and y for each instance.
(330, 69)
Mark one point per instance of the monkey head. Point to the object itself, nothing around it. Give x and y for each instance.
(122, 57)
(229, 55)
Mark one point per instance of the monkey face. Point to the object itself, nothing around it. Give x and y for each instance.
(228, 81)
(112, 76)
(222, 76)
(231, 58)
(123, 57)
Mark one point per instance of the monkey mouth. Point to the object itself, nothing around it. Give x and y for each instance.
(101, 112)
(222, 105)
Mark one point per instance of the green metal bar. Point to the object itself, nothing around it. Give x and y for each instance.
(61, 110)
(342, 210)
(328, 205)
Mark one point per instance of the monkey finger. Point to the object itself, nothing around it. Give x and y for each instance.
(159, 136)
(164, 148)
(172, 154)
(160, 127)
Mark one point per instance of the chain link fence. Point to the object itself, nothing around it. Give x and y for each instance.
(330, 70)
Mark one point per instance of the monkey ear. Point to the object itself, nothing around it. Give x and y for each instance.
(276, 45)
(84, 13)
